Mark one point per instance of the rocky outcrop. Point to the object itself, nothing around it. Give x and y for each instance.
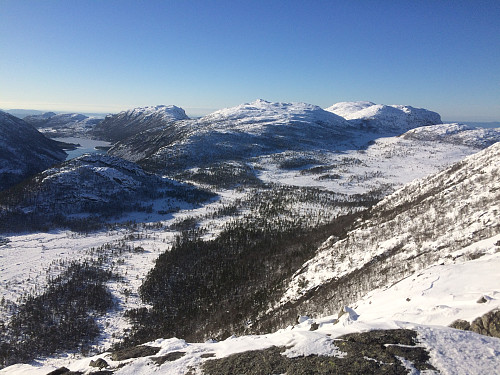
(135, 352)
(374, 352)
(488, 324)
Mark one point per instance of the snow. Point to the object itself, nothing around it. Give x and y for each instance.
(425, 301)
(168, 112)
(456, 352)
(456, 134)
(388, 161)
(419, 231)
(27, 260)
(384, 117)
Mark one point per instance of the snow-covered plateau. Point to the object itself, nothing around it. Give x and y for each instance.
(263, 238)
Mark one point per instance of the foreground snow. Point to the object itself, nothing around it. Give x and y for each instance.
(424, 303)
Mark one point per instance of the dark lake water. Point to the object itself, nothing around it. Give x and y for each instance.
(86, 146)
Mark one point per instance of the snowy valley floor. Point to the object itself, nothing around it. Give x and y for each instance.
(425, 303)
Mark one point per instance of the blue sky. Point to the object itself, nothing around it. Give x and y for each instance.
(107, 56)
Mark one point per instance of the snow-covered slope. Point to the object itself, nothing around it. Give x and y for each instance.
(458, 134)
(128, 123)
(406, 320)
(64, 124)
(256, 116)
(24, 151)
(384, 118)
(429, 221)
(248, 130)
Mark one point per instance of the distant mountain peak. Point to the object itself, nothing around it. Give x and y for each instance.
(263, 110)
(168, 111)
(133, 121)
(384, 118)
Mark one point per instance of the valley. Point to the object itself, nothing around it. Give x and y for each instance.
(356, 218)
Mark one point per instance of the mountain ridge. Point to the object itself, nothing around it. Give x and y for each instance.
(384, 118)
(24, 151)
(127, 123)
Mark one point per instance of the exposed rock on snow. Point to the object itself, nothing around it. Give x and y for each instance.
(384, 118)
(488, 324)
(24, 151)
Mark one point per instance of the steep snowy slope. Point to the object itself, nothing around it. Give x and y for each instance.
(64, 124)
(128, 123)
(24, 151)
(384, 118)
(429, 221)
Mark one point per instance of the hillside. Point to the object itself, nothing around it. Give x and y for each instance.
(435, 220)
(384, 118)
(387, 288)
(83, 191)
(64, 124)
(128, 123)
(24, 151)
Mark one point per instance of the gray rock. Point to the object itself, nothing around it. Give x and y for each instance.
(488, 324)
(135, 352)
(101, 363)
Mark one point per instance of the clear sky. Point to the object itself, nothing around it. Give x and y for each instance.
(107, 56)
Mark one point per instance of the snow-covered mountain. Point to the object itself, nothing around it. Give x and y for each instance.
(263, 128)
(384, 118)
(24, 151)
(234, 134)
(257, 116)
(64, 124)
(128, 123)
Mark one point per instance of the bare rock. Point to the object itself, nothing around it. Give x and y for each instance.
(488, 324)
(135, 352)
(101, 363)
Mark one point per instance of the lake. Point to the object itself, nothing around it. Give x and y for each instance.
(87, 146)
